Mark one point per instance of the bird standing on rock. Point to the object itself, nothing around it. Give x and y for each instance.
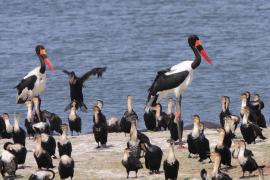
(153, 157)
(177, 78)
(64, 145)
(33, 84)
(255, 116)
(216, 173)
(74, 120)
(55, 121)
(19, 134)
(192, 138)
(28, 122)
(247, 162)
(125, 122)
(203, 145)
(66, 167)
(7, 131)
(42, 175)
(100, 127)
(130, 162)
(42, 157)
(222, 149)
(77, 83)
(171, 164)
(249, 130)
(258, 105)
(225, 111)
(49, 144)
(134, 144)
(18, 150)
(8, 164)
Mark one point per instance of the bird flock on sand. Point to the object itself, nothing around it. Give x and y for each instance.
(41, 125)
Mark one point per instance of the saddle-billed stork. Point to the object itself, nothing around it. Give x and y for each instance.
(177, 78)
(33, 84)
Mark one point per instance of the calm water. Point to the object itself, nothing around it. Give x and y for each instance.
(134, 39)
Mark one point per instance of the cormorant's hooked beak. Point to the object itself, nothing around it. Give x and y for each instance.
(198, 45)
(47, 61)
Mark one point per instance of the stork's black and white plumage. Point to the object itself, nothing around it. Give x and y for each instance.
(33, 84)
(77, 83)
(177, 78)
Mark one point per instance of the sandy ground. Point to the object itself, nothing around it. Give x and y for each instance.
(105, 163)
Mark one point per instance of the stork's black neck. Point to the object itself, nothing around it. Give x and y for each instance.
(197, 60)
(42, 65)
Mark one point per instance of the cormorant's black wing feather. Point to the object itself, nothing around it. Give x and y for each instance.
(96, 71)
(66, 72)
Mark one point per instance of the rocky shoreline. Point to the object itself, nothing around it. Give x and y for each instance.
(105, 163)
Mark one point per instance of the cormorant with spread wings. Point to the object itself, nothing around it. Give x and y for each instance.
(76, 85)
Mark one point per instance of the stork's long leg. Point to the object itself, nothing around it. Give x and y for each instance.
(179, 116)
(38, 111)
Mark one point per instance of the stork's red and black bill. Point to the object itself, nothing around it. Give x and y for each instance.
(46, 59)
(198, 45)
